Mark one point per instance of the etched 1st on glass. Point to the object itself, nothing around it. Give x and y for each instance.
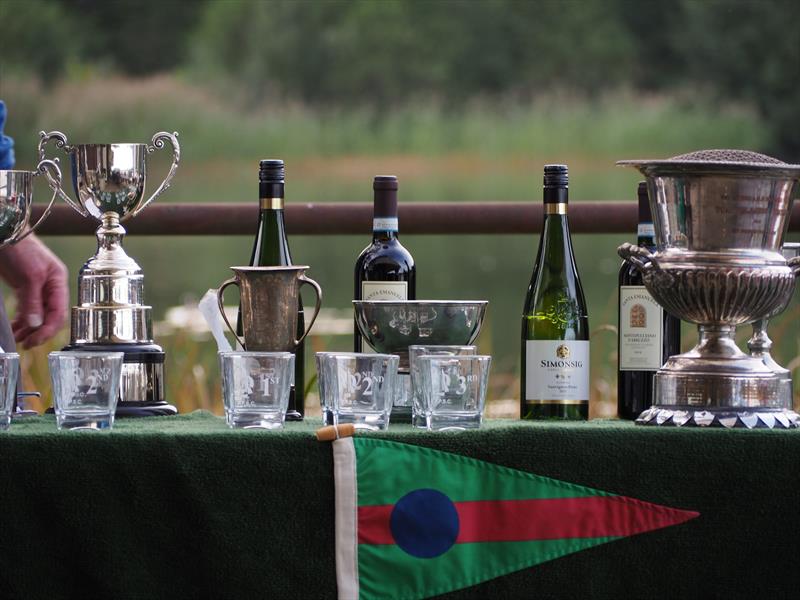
(85, 388)
(359, 388)
(9, 373)
(453, 390)
(256, 387)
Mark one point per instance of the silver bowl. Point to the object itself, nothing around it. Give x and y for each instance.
(390, 327)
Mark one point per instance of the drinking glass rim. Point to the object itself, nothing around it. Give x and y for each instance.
(253, 354)
(460, 346)
(9, 355)
(358, 355)
(85, 354)
(479, 357)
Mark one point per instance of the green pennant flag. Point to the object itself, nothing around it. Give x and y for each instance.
(412, 522)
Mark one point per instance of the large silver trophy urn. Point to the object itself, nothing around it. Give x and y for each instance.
(720, 218)
(111, 315)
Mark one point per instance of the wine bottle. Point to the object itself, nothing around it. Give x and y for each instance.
(648, 334)
(384, 270)
(272, 249)
(555, 324)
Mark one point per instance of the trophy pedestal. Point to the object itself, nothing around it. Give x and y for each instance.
(142, 382)
(111, 317)
(716, 384)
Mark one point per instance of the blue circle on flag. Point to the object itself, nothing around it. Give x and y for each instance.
(424, 523)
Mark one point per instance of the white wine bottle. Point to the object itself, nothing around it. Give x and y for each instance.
(271, 249)
(555, 323)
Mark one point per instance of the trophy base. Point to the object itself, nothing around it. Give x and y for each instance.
(692, 416)
(142, 409)
(717, 385)
(142, 384)
(717, 375)
(713, 391)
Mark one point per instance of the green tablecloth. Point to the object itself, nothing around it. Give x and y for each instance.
(182, 507)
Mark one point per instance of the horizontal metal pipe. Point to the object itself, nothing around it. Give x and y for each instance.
(356, 218)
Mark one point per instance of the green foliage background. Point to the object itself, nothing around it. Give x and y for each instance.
(382, 53)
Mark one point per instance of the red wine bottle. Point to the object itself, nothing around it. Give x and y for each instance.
(648, 334)
(384, 270)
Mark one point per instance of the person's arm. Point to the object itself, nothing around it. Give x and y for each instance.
(39, 280)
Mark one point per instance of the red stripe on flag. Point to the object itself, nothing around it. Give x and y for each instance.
(560, 518)
(373, 524)
(540, 519)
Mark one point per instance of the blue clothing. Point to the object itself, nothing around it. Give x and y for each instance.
(6, 143)
(6, 162)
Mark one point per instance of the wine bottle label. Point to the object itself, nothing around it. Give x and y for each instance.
(384, 224)
(647, 230)
(384, 290)
(641, 330)
(556, 372)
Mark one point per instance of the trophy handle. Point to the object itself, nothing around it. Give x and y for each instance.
(220, 291)
(794, 263)
(639, 257)
(157, 143)
(318, 292)
(61, 142)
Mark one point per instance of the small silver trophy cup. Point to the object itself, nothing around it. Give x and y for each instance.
(720, 217)
(16, 197)
(760, 344)
(111, 315)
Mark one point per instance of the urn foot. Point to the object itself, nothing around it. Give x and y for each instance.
(692, 416)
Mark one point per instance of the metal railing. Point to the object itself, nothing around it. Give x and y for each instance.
(355, 218)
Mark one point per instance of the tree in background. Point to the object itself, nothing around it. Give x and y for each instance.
(750, 51)
(379, 54)
(38, 38)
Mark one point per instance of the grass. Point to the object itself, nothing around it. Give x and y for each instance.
(487, 151)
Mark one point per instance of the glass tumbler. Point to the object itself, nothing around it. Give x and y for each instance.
(255, 388)
(85, 388)
(359, 388)
(9, 374)
(453, 390)
(414, 352)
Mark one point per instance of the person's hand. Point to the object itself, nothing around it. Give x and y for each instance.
(39, 280)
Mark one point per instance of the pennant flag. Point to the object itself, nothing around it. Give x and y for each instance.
(412, 522)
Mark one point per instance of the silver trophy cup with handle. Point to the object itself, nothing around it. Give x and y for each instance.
(16, 200)
(111, 315)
